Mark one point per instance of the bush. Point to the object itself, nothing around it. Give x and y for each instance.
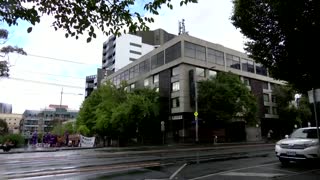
(16, 139)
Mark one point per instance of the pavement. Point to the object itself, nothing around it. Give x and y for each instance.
(31, 149)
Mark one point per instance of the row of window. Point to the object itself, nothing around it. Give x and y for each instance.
(266, 98)
(155, 61)
(271, 110)
(199, 52)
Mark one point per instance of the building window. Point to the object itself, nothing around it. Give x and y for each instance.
(215, 56)
(132, 86)
(267, 110)
(275, 110)
(126, 75)
(135, 52)
(261, 70)
(266, 98)
(200, 72)
(132, 59)
(136, 45)
(146, 82)
(246, 81)
(175, 102)
(144, 67)
(157, 89)
(265, 85)
(233, 61)
(175, 86)
(247, 65)
(212, 74)
(195, 51)
(157, 60)
(273, 98)
(173, 52)
(175, 71)
(155, 78)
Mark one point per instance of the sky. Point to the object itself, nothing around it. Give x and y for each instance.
(54, 62)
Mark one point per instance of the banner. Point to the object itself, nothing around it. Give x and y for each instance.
(86, 141)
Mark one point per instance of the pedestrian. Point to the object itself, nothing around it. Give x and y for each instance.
(269, 135)
(34, 138)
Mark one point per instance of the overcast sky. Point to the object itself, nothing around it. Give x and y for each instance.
(36, 80)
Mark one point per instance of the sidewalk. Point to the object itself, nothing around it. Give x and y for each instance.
(134, 148)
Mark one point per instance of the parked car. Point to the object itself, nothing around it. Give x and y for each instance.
(302, 144)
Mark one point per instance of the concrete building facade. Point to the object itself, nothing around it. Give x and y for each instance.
(167, 69)
(94, 81)
(13, 122)
(43, 120)
(5, 108)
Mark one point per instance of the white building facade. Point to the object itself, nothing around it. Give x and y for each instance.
(120, 51)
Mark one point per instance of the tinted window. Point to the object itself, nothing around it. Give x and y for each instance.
(304, 133)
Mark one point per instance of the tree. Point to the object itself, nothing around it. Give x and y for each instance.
(290, 114)
(78, 17)
(4, 52)
(226, 98)
(3, 127)
(282, 36)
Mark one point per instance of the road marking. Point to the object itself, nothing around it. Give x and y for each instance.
(223, 172)
(248, 174)
(296, 174)
(287, 171)
(177, 171)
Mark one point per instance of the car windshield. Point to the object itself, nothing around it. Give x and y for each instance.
(305, 134)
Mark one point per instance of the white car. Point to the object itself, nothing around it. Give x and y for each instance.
(302, 144)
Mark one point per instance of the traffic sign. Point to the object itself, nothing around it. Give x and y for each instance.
(195, 114)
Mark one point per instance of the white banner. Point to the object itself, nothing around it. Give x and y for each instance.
(86, 141)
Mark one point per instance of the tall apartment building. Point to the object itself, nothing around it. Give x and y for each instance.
(13, 121)
(5, 108)
(94, 81)
(168, 69)
(43, 120)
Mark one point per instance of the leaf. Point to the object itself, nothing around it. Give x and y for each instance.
(29, 29)
(66, 35)
(88, 39)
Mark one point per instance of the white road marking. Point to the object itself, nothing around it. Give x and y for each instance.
(249, 174)
(223, 172)
(177, 171)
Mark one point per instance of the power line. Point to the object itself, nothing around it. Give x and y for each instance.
(33, 72)
(41, 82)
(62, 60)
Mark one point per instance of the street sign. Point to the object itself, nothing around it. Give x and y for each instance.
(195, 114)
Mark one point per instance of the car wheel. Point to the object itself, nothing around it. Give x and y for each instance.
(284, 162)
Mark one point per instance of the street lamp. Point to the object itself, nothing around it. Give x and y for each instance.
(196, 99)
(60, 106)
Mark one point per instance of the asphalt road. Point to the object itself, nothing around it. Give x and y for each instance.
(232, 162)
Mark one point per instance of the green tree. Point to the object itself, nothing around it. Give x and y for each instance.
(3, 127)
(282, 36)
(290, 113)
(79, 17)
(5, 51)
(226, 98)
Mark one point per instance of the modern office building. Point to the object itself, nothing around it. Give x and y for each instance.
(169, 69)
(13, 121)
(5, 108)
(120, 51)
(43, 120)
(94, 81)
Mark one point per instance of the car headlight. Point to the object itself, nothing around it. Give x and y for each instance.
(311, 144)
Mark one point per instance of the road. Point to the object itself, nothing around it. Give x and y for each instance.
(222, 162)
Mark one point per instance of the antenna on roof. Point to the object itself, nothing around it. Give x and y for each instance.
(182, 27)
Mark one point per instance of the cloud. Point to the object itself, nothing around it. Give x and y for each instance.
(208, 20)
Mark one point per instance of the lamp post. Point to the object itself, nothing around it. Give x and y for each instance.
(196, 99)
(313, 94)
(60, 106)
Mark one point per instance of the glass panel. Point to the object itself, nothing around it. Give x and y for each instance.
(267, 110)
(200, 72)
(173, 52)
(244, 65)
(250, 66)
(175, 102)
(266, 98)
(233, 61)
(156, 78)
(175, 86)
(261, 70)
(157, 60)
